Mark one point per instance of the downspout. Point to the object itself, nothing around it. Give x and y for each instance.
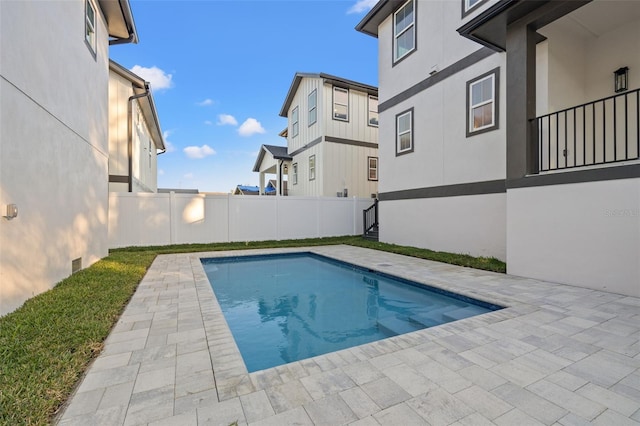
(280, 178)
(130, 131)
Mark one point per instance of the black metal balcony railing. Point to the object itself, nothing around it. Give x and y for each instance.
(598, 132)
(370, 218)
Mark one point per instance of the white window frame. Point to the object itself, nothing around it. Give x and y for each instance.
(294, 176)
(373, 168)
(396, 35)
(312, 167)
(399, 133)
(335, 113)
(494, 76)
(372, 111)
(295, 122)
(90, 26)
(313, 107)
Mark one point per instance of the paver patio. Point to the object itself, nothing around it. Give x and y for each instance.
(557, 355)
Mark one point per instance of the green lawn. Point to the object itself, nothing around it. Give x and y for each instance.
(47, 344)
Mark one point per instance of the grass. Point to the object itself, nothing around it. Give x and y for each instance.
(47, 344)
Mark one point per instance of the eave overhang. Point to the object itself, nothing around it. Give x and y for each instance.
(378, 13)
(490, 27)
(331, 79)
(147, 105)
(119, 19)
(277, 152)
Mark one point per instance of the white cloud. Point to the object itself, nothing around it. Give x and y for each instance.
(251, 126)
(197, 152)
(168, 145)
(188, 176)
(159, 79)
(362, 6)
(226, 119)
(206, 102)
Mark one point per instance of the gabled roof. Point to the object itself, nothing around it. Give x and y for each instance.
(378, 13)
(146, 103)
(331, 79)
(277, 152)
(119, 20)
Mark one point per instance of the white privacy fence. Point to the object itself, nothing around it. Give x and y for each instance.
(143, 219)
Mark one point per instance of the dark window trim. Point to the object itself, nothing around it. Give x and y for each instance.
(315, 168)
(496, 103)
(369, 111)
(92, 50)
(294, 169)
(295, 131)
(395, 61)
(311, 123)
(369, 168)
(438, 77)
(442, 191)
(333, 103)
(410, 110)
(466, 12)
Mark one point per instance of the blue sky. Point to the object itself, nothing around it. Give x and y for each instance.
(220, 71)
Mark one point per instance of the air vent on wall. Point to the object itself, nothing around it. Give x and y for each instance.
(76, 265)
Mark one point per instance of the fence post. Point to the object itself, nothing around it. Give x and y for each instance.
(172, 217)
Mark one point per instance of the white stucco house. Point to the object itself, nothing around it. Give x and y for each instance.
(135, 136)
(332, 138)
(54, 148)
(509, 128)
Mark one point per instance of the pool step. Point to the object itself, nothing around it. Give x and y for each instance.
(461, 313)
(394, 326)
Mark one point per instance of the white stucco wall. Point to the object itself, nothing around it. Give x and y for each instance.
(53, 146)
(472, 225)
(584, 234)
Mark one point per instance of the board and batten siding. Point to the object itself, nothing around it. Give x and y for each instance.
(119, 92)
(346, 166)
(306, 187)
(306, 133)
(356, 128)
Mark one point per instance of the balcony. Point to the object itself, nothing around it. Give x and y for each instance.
(599, 132)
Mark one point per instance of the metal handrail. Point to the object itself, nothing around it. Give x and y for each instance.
(370, 217)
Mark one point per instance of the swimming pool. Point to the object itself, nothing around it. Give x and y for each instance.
(287, 307)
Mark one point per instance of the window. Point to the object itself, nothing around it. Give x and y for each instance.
(312, 167)
(294, 122)
(373, 111)
(313, 104)
(294, 178)
(340, 104)
(482, 104)
(90, 26)
(404, 32)
(373, 168)
(149, 153)
(468, 5)
(404, 132)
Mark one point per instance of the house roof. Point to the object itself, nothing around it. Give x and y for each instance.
(277, 152)
(140, 86)
(378, 13)
(252, 190)
(119, 20)
(350, 84)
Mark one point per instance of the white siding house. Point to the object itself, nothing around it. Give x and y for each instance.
(135, 136)
(502, 134)
(54, 80)
(332, 136)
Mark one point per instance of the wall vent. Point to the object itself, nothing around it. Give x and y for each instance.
(76, 265)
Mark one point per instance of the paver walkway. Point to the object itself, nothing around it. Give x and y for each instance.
(558, 355)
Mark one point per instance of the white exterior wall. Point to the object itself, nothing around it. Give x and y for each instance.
(305, 186)
(357, 127)
(576, 67)
(53, 145)
(584, 234)
(142, 219)
(306, 133)
(473, 224)
(348, 168)
(144, 168)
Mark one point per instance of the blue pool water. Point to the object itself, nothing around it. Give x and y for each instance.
(285, 308)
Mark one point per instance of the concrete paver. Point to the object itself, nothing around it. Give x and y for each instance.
(556, 354)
